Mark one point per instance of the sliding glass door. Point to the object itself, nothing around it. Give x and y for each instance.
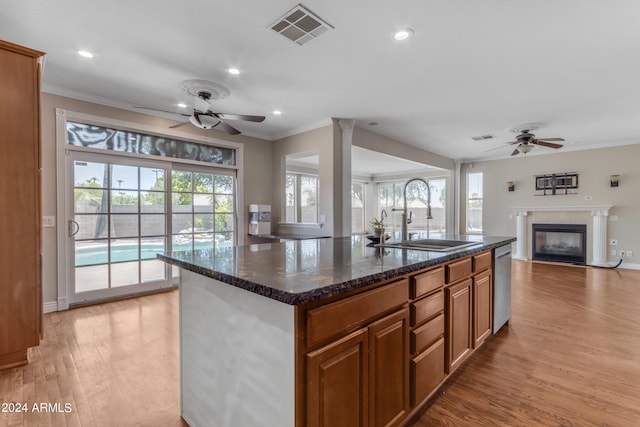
(203, 208)
(117, 225)
(123, 211)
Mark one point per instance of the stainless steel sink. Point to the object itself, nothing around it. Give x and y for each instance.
(436, 245)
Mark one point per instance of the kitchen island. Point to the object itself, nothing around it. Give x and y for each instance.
(326, 332)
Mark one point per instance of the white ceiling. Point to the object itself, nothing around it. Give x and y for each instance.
(368, 163)
(472, 67)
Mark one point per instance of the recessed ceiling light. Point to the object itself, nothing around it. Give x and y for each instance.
(277, 112)
(403, 34)
(234, 71)
(182, 105)
(85, 53)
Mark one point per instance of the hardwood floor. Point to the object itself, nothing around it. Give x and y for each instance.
(115, 363)
(571, 357)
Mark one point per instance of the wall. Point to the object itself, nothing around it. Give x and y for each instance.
(257, 169)
(593, 167)
(317, 141)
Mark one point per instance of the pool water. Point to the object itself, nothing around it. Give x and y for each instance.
(99, 254)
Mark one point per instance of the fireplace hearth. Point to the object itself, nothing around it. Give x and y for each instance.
(560, 243)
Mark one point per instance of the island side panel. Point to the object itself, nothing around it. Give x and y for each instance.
(236, 356)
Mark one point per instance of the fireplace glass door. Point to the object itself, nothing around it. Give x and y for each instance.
(560, 243)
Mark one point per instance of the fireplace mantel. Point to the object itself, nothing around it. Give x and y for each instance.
(599, 234)
(571, 208)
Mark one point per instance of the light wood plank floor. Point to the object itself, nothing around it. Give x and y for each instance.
(571, 357)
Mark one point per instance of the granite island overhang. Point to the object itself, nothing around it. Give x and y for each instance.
(245, 351)
(297, 272)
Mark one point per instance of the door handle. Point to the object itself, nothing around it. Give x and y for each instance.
(74, 227)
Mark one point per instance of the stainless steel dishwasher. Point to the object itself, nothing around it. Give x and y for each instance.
(501, 286)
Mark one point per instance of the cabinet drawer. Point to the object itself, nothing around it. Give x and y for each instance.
(458, 270)
(482, 261)
(329, 320)
(427, 334)
(427, 372)
(426, 308)
(424, 283)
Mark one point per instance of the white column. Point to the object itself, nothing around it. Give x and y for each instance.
(342, 169)
(599, 241)
(521, 235)
(457, 227)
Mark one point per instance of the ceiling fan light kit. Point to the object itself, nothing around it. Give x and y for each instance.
(204, 121)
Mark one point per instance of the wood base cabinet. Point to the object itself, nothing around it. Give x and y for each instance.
(459, 306)
(20, 251)
(338, 383)
(482, 307)
(359, 377)
(375, 357)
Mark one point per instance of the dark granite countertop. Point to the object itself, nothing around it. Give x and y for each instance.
(300, 271)
(288, 236)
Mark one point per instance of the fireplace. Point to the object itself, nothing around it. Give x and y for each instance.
(560, 243)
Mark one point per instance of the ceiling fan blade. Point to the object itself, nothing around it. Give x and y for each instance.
(502, 146)
(550, 139)
(546, 144)
(228, 128)
(162, 111)
(515, 152)
(243, 117)
(179, 125)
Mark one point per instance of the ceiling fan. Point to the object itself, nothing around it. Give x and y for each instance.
(202, 116)
(526, 141)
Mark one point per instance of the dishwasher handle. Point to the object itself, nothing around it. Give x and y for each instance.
(503, 255)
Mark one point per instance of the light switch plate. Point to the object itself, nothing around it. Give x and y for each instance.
(48, 221)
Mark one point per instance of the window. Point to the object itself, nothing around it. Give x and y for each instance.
(103, 138)
(357, 207)
(301, 197)
(391, 196)
(474, 202)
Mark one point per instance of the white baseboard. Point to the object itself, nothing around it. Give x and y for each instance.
(629, 266)
(50, 307)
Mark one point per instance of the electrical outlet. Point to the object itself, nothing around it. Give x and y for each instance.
(48, 221)
(622, 253)
(629, 253)
(613, 242)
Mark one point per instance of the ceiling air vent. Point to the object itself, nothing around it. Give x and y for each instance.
(300, 25)
(483, 137)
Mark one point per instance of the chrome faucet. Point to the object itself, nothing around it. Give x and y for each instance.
(405, 219)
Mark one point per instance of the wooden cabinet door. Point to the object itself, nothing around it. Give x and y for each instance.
(20, 219)
(389, 369)
(338, 383)
(482, 307)
(459, 306)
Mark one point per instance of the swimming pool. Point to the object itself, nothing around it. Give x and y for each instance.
(93, 253)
